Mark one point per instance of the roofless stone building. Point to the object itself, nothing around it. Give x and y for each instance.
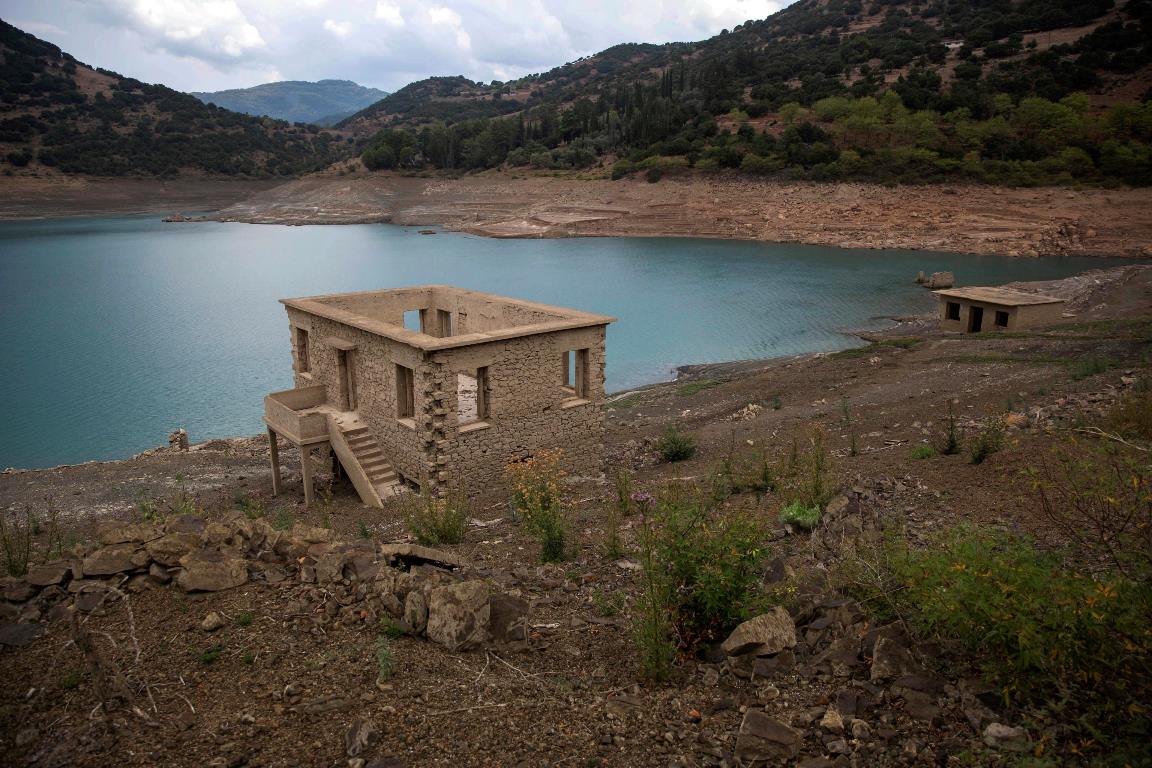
(485, 380)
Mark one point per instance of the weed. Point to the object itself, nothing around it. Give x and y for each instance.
(182, 502)
(776, 404)
(652, 622)
(537, 499)
(989, 440)
(621, 508)
(800, 515)
(209, 655)
(362, 530)
(390, 629)
(70, 680)
(283, 520)
(384, 659)
(923, 452)
(607, 603)
(876, 346)
(846, 419)
(1082, 369)
(952, 444)
(755, 475)
(1131, 417)
(438, 520)
(248, 658)
(252, 508)
(693, 387)
(244, 619)
(16, 541)
(146, 509)
(675, 445)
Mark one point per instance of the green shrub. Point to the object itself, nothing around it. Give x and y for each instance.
(675, 445)
(438, 520)
(384, 660)
(16, 541)
(654, 175)
(538, 501)
(951, 445)
(988, 441)
(252, 508)
(210, 655)
(800, 515)
(244, 619)
(923, 452)
(704, 565)
(1082, 369)
(755, 475)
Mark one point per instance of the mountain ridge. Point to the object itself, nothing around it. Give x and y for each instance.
(320, 102)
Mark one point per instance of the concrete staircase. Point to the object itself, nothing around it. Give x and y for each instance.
(361, 457)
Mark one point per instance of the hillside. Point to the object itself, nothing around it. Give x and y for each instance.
(321, 103)
(57, 112)
(1019, 92)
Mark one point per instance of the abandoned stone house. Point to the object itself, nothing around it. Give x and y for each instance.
(435, 386)
(975, 309)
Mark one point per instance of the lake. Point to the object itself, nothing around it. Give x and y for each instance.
(114, 331)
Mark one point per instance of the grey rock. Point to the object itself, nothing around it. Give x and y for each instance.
(361, 735)
(56, 572)
(416, 611)
(168, 549)
(17, 590)
(159, 574)
(127, 533)
(458, 615)
(762, 739)
(1006, 738)
(764, 635)
(19, 634)
(113, 559)
(206, 570)
(508, 620)
(212, 622)
(890, 658)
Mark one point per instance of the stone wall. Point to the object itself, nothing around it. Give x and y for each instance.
(1019, 318)
(529, 409)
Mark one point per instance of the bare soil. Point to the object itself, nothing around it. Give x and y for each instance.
(967, 219)
(53, 195)
(577, 697)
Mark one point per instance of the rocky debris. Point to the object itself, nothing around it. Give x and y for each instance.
(764, 635)
(410, 555)
(846, 525)
(117, 558)
(361, 735)
(178, 439)
(763, 739)
(212, 622)
(1005, 738)
(936, 280)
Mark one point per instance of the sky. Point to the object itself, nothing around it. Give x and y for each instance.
(212, 45)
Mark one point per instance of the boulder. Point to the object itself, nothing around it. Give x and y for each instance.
(764, 635)
(416, 611)
(212, 622)
(762, 739)
(17, 590)
(113, 559)
(56, 572)
(1005, 738)
(458, 615)
(123, 533)
(206, 570)
(168, 549)
(508, 620)
(186, 524)
(890, 658)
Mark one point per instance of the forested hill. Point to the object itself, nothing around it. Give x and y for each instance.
(321, 103)
(58, 112)
(1005, 91)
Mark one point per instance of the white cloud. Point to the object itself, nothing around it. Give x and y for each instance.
(389, 13)
(216, 30)
(338, 28)
(214, 44)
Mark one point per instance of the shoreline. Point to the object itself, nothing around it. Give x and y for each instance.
(1048, 221)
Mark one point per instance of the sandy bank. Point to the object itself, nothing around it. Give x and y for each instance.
(966, 219)
(27, 197)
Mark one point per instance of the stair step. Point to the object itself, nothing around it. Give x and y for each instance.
(370, 458)
(379, 472)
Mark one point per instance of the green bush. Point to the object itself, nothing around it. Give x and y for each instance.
(923, 452)
(951, 445)
(538, 500)
(702, 566)
(988, 441)
(437, 520)
(654, 175)
(800, 515)
(676, 446)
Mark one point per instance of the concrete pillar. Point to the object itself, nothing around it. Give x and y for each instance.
(306, 471)
(275, 451)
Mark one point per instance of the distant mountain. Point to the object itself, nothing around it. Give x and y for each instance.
(61, 113)
(322, 103)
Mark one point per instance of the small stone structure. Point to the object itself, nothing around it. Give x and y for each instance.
(434, 386)
(936, 280)
(972, 310)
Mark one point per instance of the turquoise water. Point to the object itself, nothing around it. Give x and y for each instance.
(114, 331)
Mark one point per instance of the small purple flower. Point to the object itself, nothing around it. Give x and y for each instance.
(643, 498)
